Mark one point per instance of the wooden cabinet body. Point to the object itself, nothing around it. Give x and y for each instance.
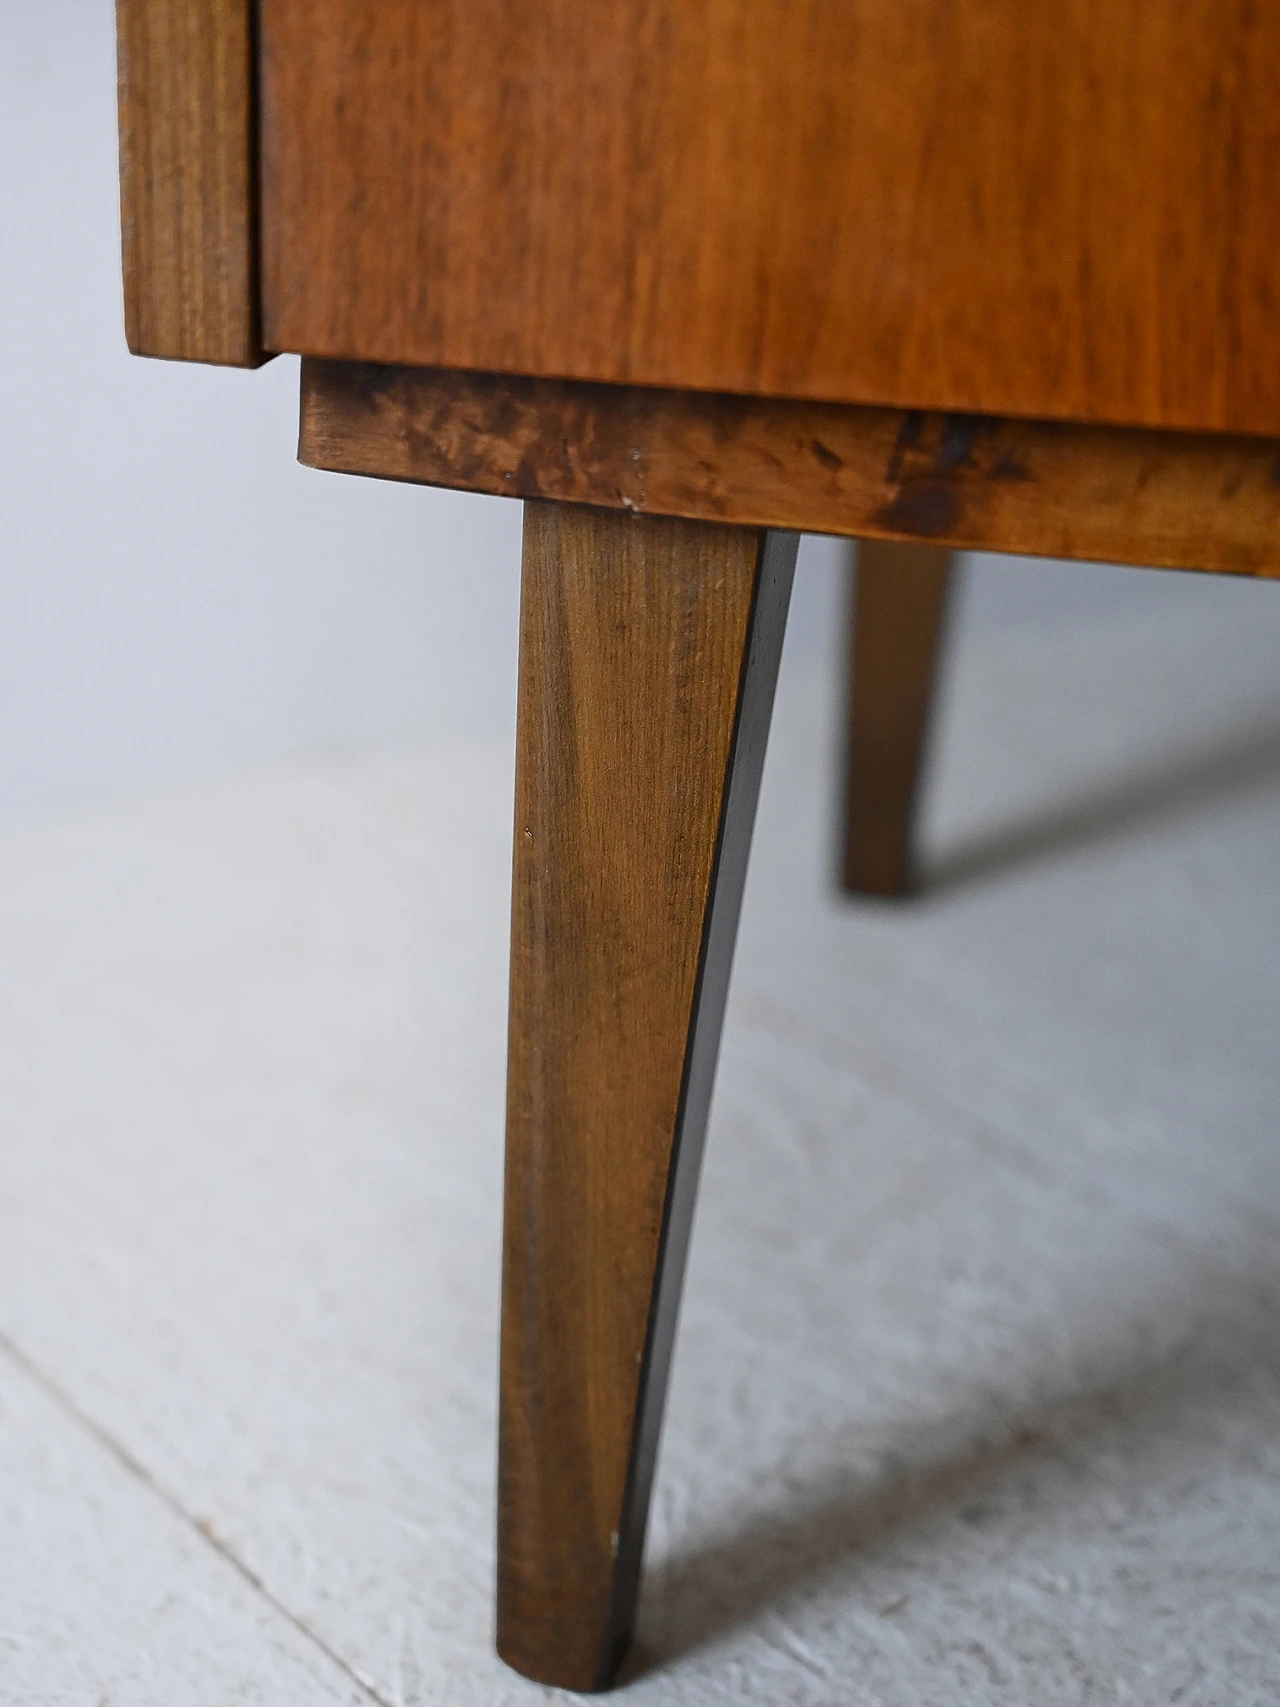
(1008, 211)
(686, 273)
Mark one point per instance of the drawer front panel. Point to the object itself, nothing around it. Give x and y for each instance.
(1066, 209)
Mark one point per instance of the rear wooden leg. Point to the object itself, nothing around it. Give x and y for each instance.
(898, 607)
(648, 655)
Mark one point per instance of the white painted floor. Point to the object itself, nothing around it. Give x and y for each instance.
(977, 1396)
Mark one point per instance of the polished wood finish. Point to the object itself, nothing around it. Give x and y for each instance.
(1119, 495)
(648, 655)
(899, 601)
(1063, 210)
(188, 180)
(1000, 274)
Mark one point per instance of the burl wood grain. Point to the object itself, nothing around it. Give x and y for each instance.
(899, 601)
(1066, 210)
(648, 655)
(1122, 495)
(188, 179)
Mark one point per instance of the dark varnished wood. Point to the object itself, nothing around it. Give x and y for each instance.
(899, 601)
(187, 179)
(1178, 500)
(648, 654)
(1063, 210)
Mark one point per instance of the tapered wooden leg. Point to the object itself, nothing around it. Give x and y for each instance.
(898, 607)
(648, 655)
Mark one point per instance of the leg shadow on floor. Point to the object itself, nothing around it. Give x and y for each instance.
(1245, 759)
(1216, 1376)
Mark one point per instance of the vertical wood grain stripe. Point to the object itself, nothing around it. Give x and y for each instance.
(188, 190)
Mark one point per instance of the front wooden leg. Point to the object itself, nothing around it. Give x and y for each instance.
(649, 651)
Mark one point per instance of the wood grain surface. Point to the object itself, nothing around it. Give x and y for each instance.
(188, 179)
(1177, 500)
(1068, 211)
(899, 602)
(648, 655)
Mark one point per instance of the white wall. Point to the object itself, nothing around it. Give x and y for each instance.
(177, 596)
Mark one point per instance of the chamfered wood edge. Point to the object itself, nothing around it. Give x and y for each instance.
(744, 773)
(187, 93)
(1051, 489)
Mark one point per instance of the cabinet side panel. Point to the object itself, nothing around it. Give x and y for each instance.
(188, 189)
